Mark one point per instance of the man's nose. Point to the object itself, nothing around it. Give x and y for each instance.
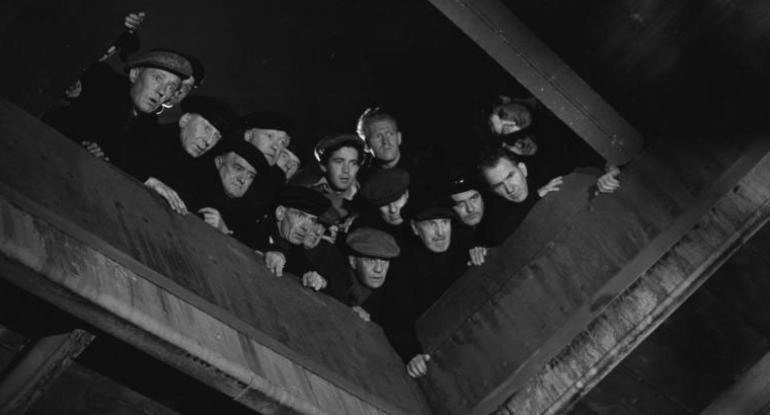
(470, 207)
(508, 186)
(345, 168)
(392, 208)
(378, 266)
(440, 231)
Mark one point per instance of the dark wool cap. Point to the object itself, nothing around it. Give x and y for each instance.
(385, 186)
(429, 205)
(163, 59)
(218, 113)
(462, 183)
(372, 243)
(304, 199)
(198, 70)
(329, 144)
(267, 120)
(247, 151)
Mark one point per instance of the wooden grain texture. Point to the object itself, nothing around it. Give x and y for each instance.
(507, 40)
(183, 259)
(599, 254)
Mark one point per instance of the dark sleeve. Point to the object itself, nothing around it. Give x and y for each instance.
(502, 218)
(328, 261)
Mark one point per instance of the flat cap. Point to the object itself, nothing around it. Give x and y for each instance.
(372, 243)
(216, 112)
(385, 186)
(427, 205)
(247, 151)
(167, 60)
(332, 143)
(267, 120)
(304, 199)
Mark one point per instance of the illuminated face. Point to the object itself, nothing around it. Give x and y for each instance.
(313, 236)
(391, 213)
(469, 206)
(384, 139)
(508, 180)
(509, 118)
(435, 234)
(341, 168)
(236, 174)
(151, 87)
(197, 134)
(297, 226)
(269, 142)
(288, 162)
(371, 272)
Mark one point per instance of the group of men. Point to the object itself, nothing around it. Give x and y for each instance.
(356, 228)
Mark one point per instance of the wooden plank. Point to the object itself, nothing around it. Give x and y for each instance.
(507, 40)
(100, 207)
(39, 367)
(749, 396)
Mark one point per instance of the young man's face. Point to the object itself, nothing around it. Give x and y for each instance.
(269, 142)
(391, 213)
(342, 168)
(384, 139)
(288, 162)
(509, 118)
(371, 272)
(197, 134)
(296, 226)
(151, 87)
(236, 174)
(508, 180)
(469, 206)
(435, 234)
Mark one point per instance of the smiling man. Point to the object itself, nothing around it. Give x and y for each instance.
(340, 157)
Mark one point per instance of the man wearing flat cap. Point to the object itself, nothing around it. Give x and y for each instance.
(112, 108)
(385, 195)
(371, 251)
(468, 206)
(295, 221)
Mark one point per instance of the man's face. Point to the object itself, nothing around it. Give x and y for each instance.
(525, 146)
(469, 206)
(269, 142)
(184, 89)
(384, 139)
(288, 162)
(371, 272)
(313, 236)
(508, 180)
(236, 174)
(341, 168)
(151, 87)
(197, 134)
(297, 226)
(435, 234)
(509, 118)
(391, 213)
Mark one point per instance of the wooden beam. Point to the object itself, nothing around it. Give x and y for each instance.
(39, 367)
(750, 395)
(507, 40)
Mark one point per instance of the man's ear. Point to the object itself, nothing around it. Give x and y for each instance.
(414, 228)
(218, 160)
(184, 119)
(523, 168)
(352, 261)
(133, 74)
(280, 213)
(398, 135)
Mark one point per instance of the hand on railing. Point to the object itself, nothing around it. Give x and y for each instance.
(478, 255)
(418, 366)
(314, 281)
(361, 313)
(215, 219)
(275, 261)
(171, 196)
(553, 186)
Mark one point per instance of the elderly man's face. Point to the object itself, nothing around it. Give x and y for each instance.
(288, 162)
(184, 89)
(342, 168)
(197, 134)
(435, 234)
(391, 213)
(269, 142)
(151, 87)
(508, 180)
(236, 174)
(371, 272)
(509, 118)
(384, 139)
(469, 206)
(297, 226)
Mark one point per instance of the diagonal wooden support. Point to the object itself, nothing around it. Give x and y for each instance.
(40, 366)
(504, 37)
